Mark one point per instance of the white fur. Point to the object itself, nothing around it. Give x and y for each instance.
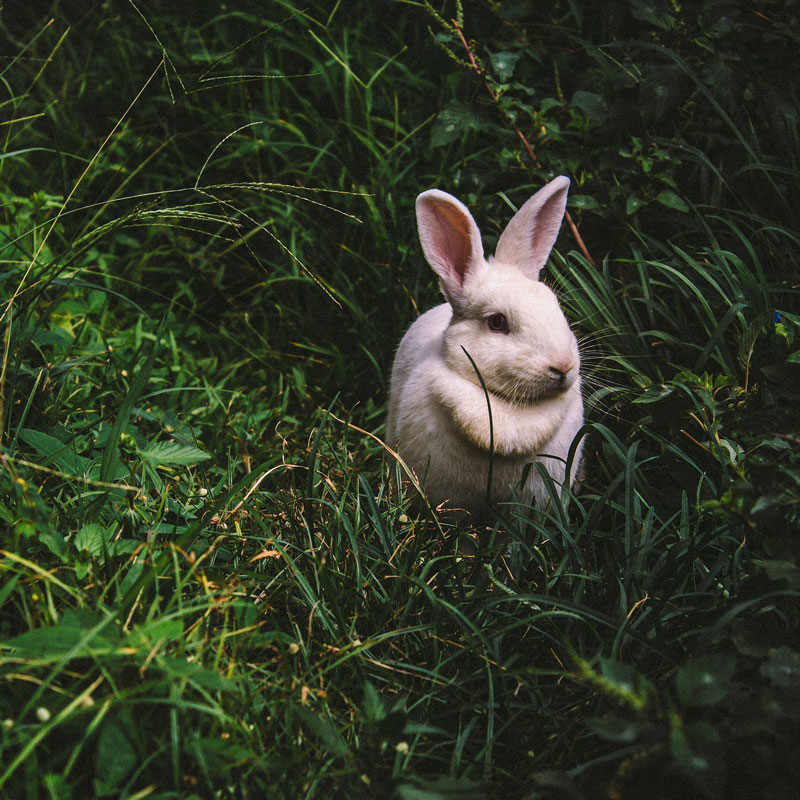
(438, 417)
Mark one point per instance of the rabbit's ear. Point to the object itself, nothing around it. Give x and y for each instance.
(450, 240)
(530, 235)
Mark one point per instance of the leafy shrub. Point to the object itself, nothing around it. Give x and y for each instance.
(206, 262)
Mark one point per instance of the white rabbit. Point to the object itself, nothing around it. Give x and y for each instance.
(513, 328)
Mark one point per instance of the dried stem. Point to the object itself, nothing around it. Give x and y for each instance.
(524, 139)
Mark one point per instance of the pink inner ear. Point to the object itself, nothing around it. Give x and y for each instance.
(450, 240)
(530, 235)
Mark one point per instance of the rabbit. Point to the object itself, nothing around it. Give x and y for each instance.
(512, 326)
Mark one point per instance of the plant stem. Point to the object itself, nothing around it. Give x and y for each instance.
(525, 143)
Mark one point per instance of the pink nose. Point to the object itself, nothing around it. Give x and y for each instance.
(560, 374)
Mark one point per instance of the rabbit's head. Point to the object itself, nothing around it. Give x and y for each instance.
(507, 320)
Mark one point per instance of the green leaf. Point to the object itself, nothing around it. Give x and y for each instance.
(45, 642)
(180, 669)
(453, 121)
(57, 787)
(92, 538)
(159, 630)
(110, 458)
(373, 707)
(55, 543)
(622, 675)
(323, 731)
(116, 755)
(633, 204)
(654, 393)
(74, 628)
(442, 788)
(782, 668)
(651, 13)
(779, 570)
(173, 454)
(697, 749)
(55, 451)
(593, 105)
(503, 64)
(218, 756)
(583, 201)
(704, 681)
(548, 103)
(672, 200)
(616, 729)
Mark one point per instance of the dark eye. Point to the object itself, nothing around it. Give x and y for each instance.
(497, 323)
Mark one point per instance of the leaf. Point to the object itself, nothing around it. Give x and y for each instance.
(55, 543)
(583, 201)
(453, 121)
(110, 460)
(92, 538)
(82, 284)
(703, 681)
(616, 729)
(697, 749)
(504, 64)
(219, 756)
(633, 204)
(646, 12)
(173, 454)
(373, 707)
(672, 200)
(516, 9)
(323, 731)
(54, 641)
(57, 640)
(179, 669)
(442, 788)
(782, 668)
(95, 540)
(548, 103)
(55, 451)
(593, 105)
(133, 574)
(622, 675)
(654, 393)
(116, 756)
(57, 786)
(158, 630)
(778, 570)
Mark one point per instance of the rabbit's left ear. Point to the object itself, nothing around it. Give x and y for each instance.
(450, 240)
(530, 235)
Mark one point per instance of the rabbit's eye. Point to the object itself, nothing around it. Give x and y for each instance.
(497, 323)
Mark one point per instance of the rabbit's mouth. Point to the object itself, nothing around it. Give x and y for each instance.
(520, 395)
(520, 392)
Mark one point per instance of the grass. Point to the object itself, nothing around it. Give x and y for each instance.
(207, 258)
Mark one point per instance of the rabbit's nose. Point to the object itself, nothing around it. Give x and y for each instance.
(561, 375)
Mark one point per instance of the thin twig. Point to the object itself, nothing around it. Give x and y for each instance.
(525, 143)
(6, 348)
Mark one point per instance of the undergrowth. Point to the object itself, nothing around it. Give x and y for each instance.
(207, 258)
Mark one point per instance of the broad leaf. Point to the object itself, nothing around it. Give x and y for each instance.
(704, 680)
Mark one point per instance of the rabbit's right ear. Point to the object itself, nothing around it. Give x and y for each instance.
(529, 237)
(450, 240)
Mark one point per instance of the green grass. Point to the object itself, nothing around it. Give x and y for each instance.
(207, 259)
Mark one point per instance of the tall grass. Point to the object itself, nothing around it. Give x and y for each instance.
(207, 257)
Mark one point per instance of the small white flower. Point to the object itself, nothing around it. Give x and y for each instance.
(43, 714)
